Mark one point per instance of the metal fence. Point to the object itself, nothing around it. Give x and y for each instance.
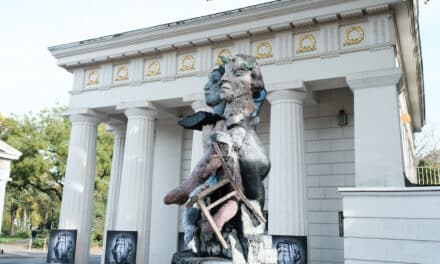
(428, 176)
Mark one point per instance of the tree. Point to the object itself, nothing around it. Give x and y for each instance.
(33, 197)
(428, 147)
(428, 156)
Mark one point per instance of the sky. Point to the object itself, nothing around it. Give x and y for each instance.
(30, 80)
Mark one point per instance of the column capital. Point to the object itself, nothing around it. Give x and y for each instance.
(287, 85)
(373, 79)
(116, 126)
(79, 118)
(140, 113)
(200, 105)
(282, 96)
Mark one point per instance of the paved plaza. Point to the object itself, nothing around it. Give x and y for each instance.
(17, 253)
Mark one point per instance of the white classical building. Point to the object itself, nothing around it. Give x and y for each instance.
(7, 154)
(341, 185)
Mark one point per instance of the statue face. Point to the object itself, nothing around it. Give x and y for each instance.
(121, 249)
(236, 80)
(212, 88)
(62, 247)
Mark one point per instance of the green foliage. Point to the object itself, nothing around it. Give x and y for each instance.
(41, 239)
(33, 197)
(104, 152)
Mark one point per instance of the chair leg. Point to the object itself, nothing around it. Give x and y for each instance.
(211, 222)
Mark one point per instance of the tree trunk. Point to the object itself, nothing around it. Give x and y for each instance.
(13, 212)
(24, 226)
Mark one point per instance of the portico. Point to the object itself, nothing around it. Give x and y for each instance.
(316, 60)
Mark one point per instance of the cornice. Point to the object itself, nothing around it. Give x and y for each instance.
(211, 22)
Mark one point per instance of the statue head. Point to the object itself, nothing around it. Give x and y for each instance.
(212, 87)
(241, 84)
(242, 71)
(122, 249)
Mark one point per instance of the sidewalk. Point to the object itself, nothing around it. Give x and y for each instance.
(19, 250)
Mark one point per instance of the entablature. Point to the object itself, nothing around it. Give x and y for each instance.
(329, 38)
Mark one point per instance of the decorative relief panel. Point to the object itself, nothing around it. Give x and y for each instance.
(353, 35)
(92, 77)
(263, 50)
(187, 63)
(306, 43)
(227, 52)
(120, 73)
(152, 68)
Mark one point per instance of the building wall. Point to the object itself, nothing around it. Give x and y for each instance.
(392, 225)
(329, 158)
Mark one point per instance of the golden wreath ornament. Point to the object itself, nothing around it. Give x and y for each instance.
(93, 77)
(263, 50)
(153, 68)
(306, 43)
(223, 52)
(122, 73)
(353, 35)
(187, 63)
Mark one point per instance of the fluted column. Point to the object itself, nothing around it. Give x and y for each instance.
(115, 180)
(134, 203)
(287, 183)
(197, 140)
(79, 182)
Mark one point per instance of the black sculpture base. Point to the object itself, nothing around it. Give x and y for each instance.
(187, 257)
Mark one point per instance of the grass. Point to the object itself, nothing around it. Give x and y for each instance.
(19, 236)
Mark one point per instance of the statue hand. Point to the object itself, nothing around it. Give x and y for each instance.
(192, 245)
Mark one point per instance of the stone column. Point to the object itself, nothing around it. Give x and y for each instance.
(287, 183)
(377, 140)
(115, 181)
(79, 182)
(134, 203)
(197, 140)
(166, 176)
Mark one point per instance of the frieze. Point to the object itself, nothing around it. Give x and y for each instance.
(301, 42)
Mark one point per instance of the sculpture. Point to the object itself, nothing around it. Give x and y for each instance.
(235, 92)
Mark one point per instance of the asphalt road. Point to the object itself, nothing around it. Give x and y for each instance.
(18, 260)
